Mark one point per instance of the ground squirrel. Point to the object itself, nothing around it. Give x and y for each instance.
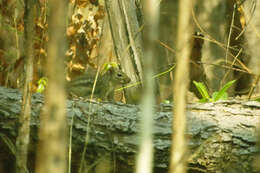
(105, 85)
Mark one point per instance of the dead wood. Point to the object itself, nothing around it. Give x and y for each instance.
(222, 135)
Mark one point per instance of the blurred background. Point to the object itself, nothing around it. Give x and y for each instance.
(225, 47)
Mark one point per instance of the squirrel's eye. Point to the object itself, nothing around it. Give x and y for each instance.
(119, 75)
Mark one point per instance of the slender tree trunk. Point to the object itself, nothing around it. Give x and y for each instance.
(145, 155)
(180, 88)
(52, 148)
(23, 137)
(252, 32)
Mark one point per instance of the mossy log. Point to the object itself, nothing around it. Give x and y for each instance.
(221, 136)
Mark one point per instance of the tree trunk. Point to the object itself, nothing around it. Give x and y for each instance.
(252, 29)
(126, 35)
(222, 135)
(211, 18)
(52, 147)
(22, 141)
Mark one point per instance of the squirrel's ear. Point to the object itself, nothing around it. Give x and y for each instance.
(111, 70)
(109, 67)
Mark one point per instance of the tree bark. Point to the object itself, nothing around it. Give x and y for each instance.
(52, 147)
(126, 35)
(222, 135)
(180, 87)
(252, 16)
(211, 19)
(23, 137)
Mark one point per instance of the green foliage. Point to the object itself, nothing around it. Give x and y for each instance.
(42, 83)
(203, 91)
(166, 101)
(258, 99)
(219, 95)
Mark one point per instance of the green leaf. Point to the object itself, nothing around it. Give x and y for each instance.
(42, 83)
(203, 100)
(222, 93)
(202, 90)
(214, 95)
(258, 99)
(225, 96)
(40, 88)
(166, 101)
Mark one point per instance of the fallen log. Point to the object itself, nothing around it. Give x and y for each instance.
(221, 136)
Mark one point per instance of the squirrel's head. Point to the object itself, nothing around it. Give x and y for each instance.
(118, 76)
